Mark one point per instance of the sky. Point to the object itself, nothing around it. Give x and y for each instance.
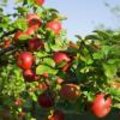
(83, 15)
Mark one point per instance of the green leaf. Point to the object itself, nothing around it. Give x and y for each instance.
(58, 46)
(106, 49)
(21, 24)
(78, 36)
(92, 37)
(115, 92)
(33, 96)
(55, 47)
(53, 10)
(110, 70)
(88, 95)
(116, 105)
(41, 69)
(41, 54)
(103, 34)
(22, 10)
(98, 55)
(49, 62)
(47, 48)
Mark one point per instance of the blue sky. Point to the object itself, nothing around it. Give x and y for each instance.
(83, 15)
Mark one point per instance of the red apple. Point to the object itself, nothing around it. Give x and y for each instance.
(46, 100)
(57, 115)
(101, 105)
(30, 76)
(60, 57)
(32, 16)
(33, 20)
(70, 91)
(25, 60)
(54, 26)
(39, 2)
(35, 44)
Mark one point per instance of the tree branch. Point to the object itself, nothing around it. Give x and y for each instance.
(7, 33)
(4, 50)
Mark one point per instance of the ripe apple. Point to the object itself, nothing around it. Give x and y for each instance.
(32, 16)
(60, 57)
(54, 26)
(35, 44)
(101, 105)
(25, 60)
(46, 100)
(57, 115)
(30, 76)
(70, 91)
(33, 20)
(39, 2)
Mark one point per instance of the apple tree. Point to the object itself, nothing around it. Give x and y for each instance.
(44, 75)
